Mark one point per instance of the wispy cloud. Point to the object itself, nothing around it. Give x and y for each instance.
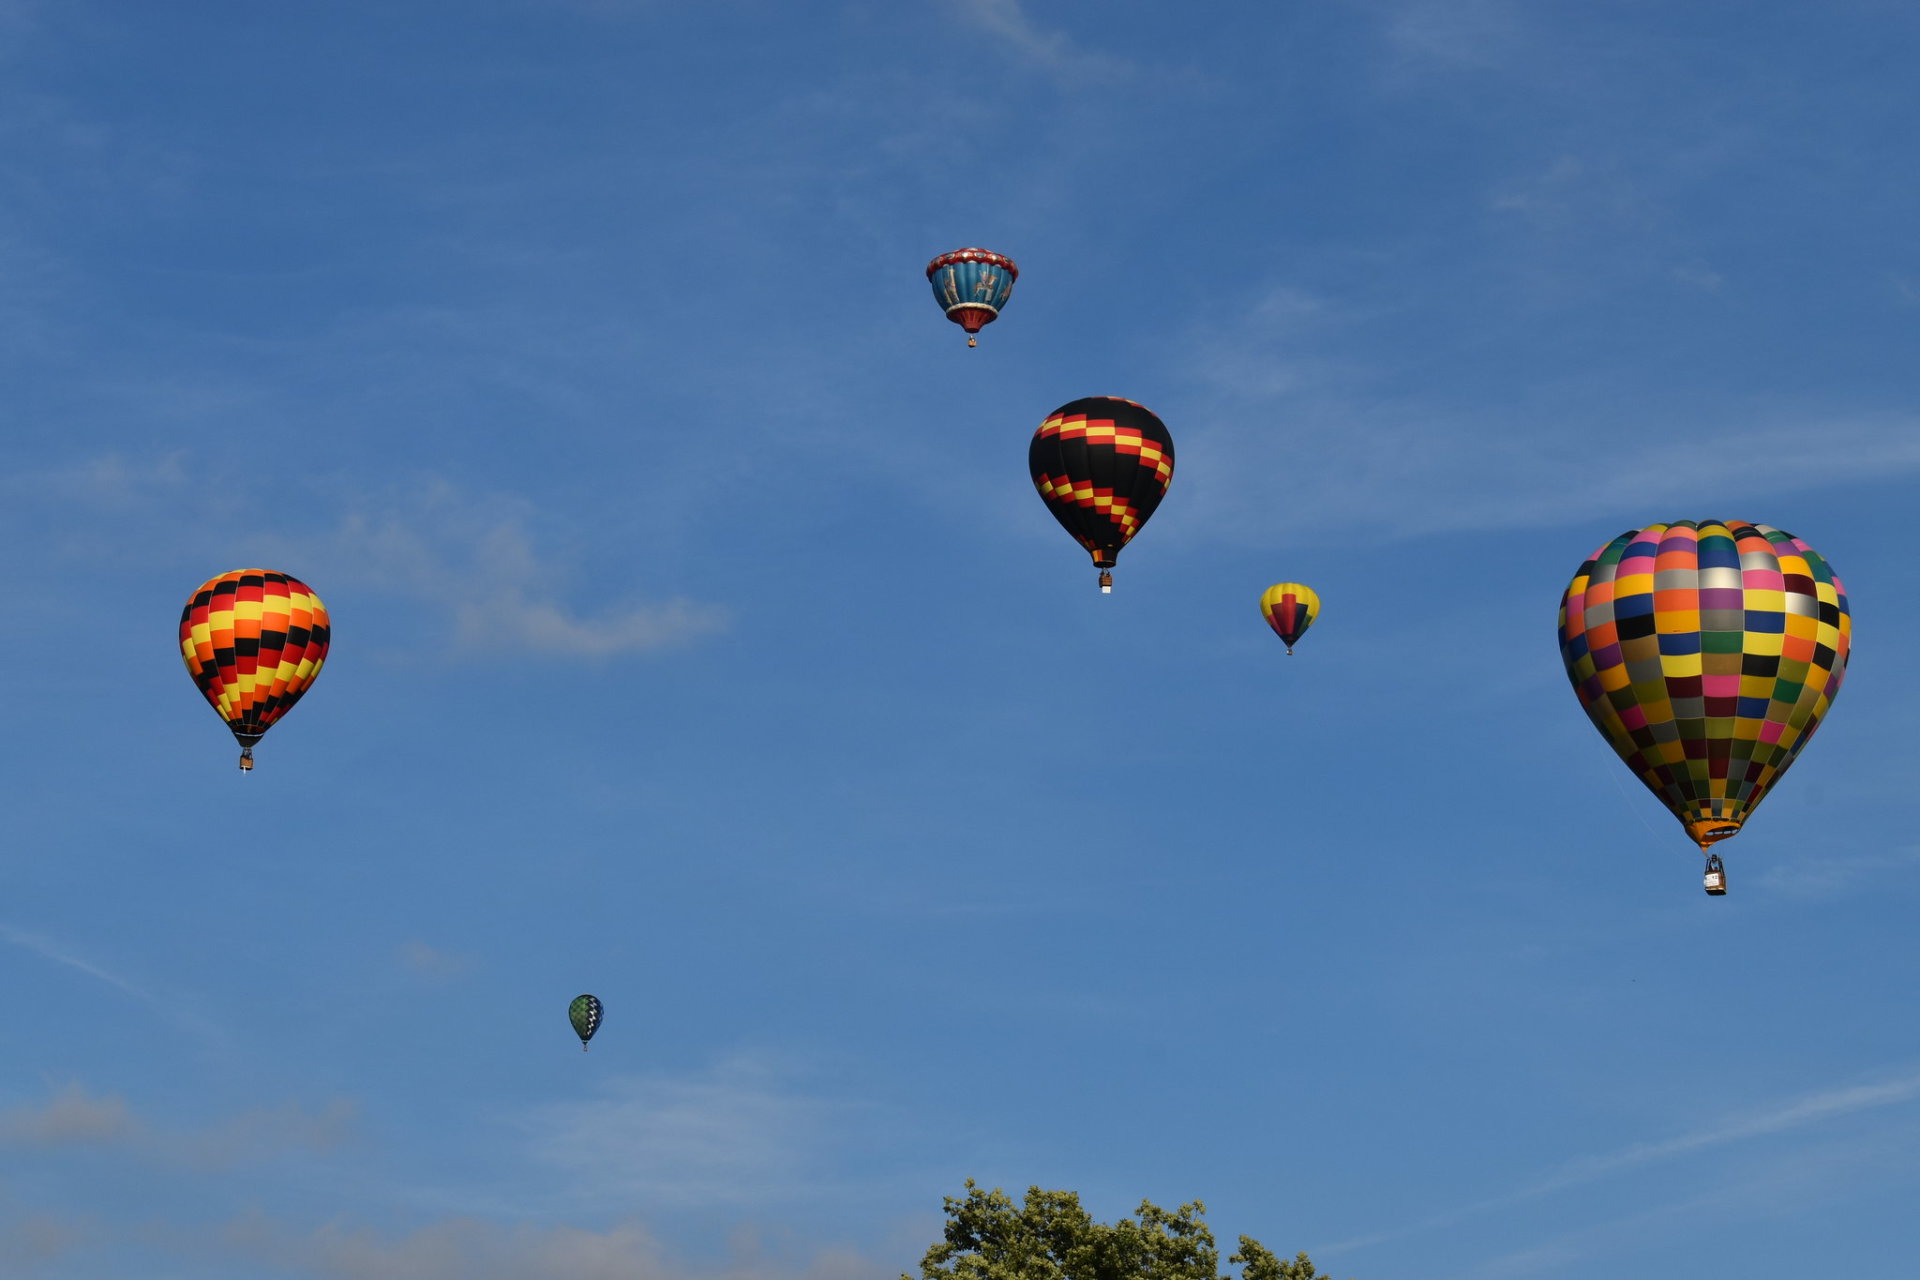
(477, 561)
(1702, 278)
(1453, 35)
(1383, 469)
(1832, 875)
(1569, 187)
(71, 1116)
(1009, 22)
(1802, 1178)
(738, 1133)
(47, 949)
(170, 1007)
(431, 962)
(76, 1117)
(476, 1249)
(473, 557)
(35, 1238)
(1783, 1116)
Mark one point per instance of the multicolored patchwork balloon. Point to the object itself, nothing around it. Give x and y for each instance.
(1290, 608)
(254, 641)
(1102, 465)
(971, 285)
(1706, 653)
(584, 1014)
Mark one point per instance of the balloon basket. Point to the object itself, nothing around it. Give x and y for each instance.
(1715, 881)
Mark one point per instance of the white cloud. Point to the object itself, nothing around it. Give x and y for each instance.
(430, 962)
(1831, 875)
(476, 1249)
(734, 1134)
(50, 950)
(1009, 22)
(72, 1116)
(76, 1117)
(1786, 1115)
(1456, 35)
(171, 1008)
(470, 556)
(1572, 192)
(261, 1134)
(1702, 278)
(1270, 404)
(35, 1238)
(475, 559)
(458, 1248)
(1801, 1180)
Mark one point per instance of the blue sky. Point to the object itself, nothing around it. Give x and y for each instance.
(700, 642)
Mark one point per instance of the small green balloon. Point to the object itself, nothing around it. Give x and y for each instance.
(584, 1014)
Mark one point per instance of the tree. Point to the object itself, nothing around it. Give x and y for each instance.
(1050, 1237)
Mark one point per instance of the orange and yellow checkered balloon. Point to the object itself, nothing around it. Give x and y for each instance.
(253, 641)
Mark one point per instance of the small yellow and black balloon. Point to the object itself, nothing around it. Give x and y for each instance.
(1102, 465)
(971, 285)
(584, 1014)
(1290, 608)
(1706, 653)
(254, 641)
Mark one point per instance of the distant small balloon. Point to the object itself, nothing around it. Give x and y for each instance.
(971, 286)
(584, 1014)
(1290, 608)
(254, 641)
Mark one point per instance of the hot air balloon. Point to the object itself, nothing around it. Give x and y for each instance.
(1290, 608)
(971, 285)
(584, 1014)
(1706, 653)
(253, 641)
(1101, 465)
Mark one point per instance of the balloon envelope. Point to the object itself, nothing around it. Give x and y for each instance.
(584, 1014)
(1290, 608)
(254, 641)
(1102, 465)
(971, 285)
(1706, 653)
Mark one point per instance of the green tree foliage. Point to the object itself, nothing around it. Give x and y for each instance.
(1050, 1237)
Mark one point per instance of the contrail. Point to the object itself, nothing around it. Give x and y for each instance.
(49, 951)
(1794, 1113)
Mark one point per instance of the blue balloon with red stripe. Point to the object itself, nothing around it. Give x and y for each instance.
(971, 286)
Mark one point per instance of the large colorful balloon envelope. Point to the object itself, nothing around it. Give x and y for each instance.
(1102, 465)
(1290, 608)
(253, 641)
(971, 285)
(584, 1013)
(1706, 653)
